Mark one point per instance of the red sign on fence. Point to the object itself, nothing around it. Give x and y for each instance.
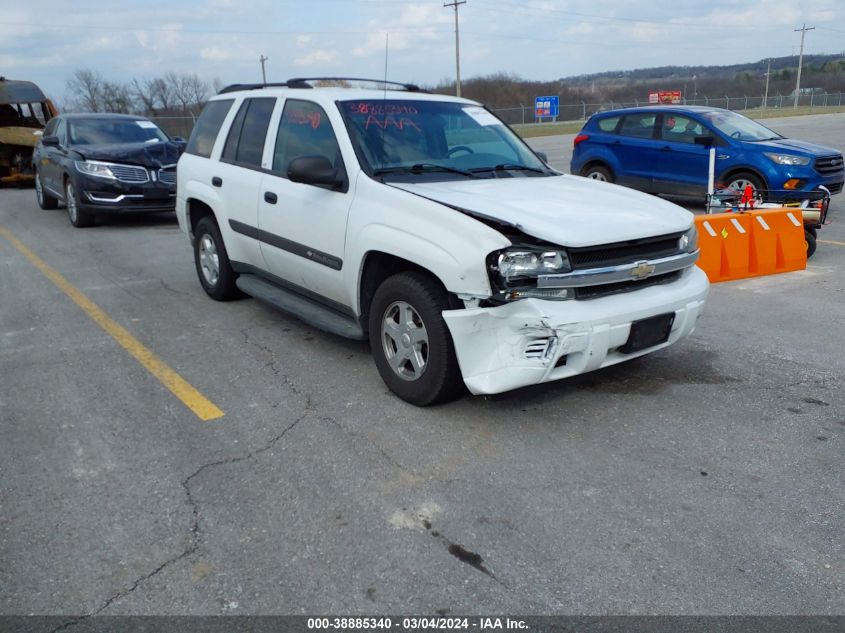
(665, 96)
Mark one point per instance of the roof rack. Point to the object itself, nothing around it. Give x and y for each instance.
(303, 82)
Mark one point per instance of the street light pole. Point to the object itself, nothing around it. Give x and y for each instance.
(803, 30)
(455, 4)
(263, 59)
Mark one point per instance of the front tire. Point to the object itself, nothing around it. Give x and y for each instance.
(739, 181)
(598, 172)
(78, 218)
(810, 240)
(410, 341)
(212, 262)
(45, 200)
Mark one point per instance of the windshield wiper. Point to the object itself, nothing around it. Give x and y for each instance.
(422, 168)
(510, 167)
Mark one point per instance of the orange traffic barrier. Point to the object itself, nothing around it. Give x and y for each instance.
(777, 242)
(751, 244)
(724, 239)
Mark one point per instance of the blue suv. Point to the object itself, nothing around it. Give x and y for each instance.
(665, 149)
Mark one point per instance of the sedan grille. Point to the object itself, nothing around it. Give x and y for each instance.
(130, 173)
(624, 252)
(830, 164)
(167, 176)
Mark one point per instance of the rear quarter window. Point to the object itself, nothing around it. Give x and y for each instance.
(608, 124)
(208, 125)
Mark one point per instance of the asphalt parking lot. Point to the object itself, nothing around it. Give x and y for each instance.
(703, 479)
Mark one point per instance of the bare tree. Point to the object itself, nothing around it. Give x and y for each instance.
(145, 93)
(163, 93)
(197, 89)
(86, 88)
(116, 97)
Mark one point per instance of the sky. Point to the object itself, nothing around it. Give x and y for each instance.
(47, 41)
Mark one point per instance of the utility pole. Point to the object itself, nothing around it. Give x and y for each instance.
(766, 96)
(455, 4)
(803, 30)
(263, 59)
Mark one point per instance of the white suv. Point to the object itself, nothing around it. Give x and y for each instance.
(423, 223)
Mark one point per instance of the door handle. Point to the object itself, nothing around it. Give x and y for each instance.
(270, 197)
(217, 181)
(666, 148)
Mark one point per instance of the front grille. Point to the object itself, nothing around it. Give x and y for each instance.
(830, 165)
(624, 252)
(130, 173)
(167, 176)
(595, 292)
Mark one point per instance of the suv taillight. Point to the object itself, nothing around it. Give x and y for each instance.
(579, 139)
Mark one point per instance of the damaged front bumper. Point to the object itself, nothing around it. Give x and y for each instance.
(532, 341)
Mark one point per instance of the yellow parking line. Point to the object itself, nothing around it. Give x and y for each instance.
(831, 242)
(193, 399)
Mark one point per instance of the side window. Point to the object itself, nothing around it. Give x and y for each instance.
(609, 124)
(208, 125)
(61, 132)
(245, 143)
(304, 130)
(680, 129)
(638, 125)
(230, 150)
(50, 129)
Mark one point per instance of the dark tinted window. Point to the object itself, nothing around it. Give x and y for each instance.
(639, 125)
(304, 131)
(230, 151)
(253, 131)
(207, 126)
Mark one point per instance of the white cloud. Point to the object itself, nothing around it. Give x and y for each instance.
(315, 58)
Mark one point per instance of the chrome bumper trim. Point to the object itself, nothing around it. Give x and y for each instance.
(635, 271)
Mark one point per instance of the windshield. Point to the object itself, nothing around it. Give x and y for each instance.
(111, 132)
(441, 139)
(739, 127)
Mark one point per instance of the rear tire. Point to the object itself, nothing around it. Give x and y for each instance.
(810, 240)
(410, 342)
(45, 200)
(212, 262)
(598, 172)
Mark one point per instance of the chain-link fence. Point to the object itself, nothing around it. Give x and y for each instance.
(182, 125)
(581, 111)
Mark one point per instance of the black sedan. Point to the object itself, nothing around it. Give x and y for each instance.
(105, 164)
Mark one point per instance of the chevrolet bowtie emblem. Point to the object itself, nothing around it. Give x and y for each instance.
(642, 270)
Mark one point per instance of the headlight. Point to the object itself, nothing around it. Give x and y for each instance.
(689, 240)
(531, 263)
(788, 159)
(95, 168)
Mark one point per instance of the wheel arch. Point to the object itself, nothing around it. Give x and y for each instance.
(597, 162)
(733, 171)
(379, 265)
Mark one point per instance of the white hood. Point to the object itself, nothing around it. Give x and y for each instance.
(565, 210)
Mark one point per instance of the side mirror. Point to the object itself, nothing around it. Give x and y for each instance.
(706, 140)
(314, 170)
(543, 157)
(179, 139)
(50, 141)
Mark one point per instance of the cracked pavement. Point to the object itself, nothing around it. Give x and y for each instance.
(704, 479)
